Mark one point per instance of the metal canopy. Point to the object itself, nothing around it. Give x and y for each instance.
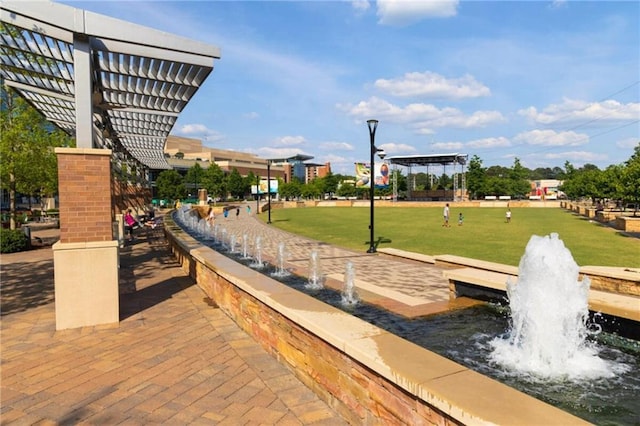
(110, 83)
(425, 160)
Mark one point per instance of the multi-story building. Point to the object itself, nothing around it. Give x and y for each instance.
(182, 153)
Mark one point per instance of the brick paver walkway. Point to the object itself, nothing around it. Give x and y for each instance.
(175, 358)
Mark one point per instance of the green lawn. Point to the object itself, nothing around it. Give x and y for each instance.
(485, 234)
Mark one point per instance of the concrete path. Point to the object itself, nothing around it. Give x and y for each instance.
(173, 359)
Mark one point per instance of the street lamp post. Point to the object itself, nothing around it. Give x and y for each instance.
(373, 124)
(257, 194)
(269, 191)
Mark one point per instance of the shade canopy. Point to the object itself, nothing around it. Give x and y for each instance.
(109, 83)
(425, 160)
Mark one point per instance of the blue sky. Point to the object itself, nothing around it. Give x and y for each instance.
(544, 81)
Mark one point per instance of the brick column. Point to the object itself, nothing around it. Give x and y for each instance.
(84, 177)
(85, 259)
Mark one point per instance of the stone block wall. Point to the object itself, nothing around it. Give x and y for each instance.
(360, 395)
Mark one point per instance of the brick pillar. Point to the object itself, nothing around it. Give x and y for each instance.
(84, 177)
(85, 260)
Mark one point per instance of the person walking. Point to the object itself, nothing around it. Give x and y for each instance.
(508, 216)
(445, 213)
(460, 219)
(237, 212)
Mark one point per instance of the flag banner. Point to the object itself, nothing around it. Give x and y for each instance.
(363, 175)
(262, 188)
(382, 175)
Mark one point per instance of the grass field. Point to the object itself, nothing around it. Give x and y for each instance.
(484, 235)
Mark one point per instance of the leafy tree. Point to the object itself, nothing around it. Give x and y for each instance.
(235, 184)
(249, 180)
(290, 190)
(27, 142)
(313, 189)
(331, 183)
(476, 179)
(630, 178)
(194, 178)
(445, 182)
(214, 180)
(519, 186)
(347, 190)
(170, 185)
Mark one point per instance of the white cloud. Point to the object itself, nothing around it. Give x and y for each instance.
(628, 143)
(430, 84)
(447, 146)
(290, 141)
(407, 12)
(558, 4)
(393, 148)
(576, 156)
(251, 115)
(498, 142)
(552, 138)
(269, 152)
(336, 146)
(422, 117)
(572, 111)
(200, 131)
(360, 6)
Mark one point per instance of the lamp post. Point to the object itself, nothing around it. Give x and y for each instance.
(269, 191)
(257, 194)
(373, 124)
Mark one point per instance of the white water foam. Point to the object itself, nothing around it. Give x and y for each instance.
(549, 311)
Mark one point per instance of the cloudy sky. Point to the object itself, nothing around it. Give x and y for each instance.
(544, 81)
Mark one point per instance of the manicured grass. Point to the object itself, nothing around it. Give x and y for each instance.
(484, 235)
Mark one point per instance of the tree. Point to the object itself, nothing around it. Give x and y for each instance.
(290, 190)
(331, 183)
(476, 178)
(313, 189)
(27, 142)
(214, 181)
(193, 178)
(170, 185)
(519, 186)
(235, 184)
(630, 178)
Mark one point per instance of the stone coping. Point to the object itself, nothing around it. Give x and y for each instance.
(618, 305)
(467, 396)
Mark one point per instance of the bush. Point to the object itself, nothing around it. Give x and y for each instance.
(13, 240)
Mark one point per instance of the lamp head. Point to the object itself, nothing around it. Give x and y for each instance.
(372, 125)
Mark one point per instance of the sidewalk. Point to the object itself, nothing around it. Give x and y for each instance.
(174, 358)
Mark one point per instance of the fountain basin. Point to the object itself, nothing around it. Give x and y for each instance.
(368, 375)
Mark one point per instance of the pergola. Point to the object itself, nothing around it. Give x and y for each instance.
(444, 160)
(110, 83)
(118, 88)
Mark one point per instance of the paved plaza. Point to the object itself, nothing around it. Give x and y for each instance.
(173, 359)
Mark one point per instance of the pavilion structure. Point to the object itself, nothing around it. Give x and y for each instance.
(118, 89)
(456, 161)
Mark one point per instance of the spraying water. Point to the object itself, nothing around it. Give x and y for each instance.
(316, 280)
(245, 246)
(257, 253)
(349, 295)
(281, 255)
(549, 310)
(232, 243)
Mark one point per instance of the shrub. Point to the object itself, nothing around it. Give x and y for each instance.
(12, 241)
